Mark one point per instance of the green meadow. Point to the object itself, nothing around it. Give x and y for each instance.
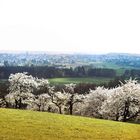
(96, 80)
(32, 125)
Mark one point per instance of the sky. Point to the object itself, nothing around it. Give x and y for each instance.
(83, 26)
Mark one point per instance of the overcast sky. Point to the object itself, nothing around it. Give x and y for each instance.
(87, 26)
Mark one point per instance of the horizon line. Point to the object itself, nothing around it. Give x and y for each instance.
(64, 52)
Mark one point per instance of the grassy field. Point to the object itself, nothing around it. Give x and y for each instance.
(61, 81)
(31, 125)
(96, 80)
(3, 80)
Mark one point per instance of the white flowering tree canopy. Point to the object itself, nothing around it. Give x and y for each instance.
(41, 101)
(42, 84)
(21, 88)
(73, 97)
(123, 102)
(94, 101)
(70, 87)
(21, 82)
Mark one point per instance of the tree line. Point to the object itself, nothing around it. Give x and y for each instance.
(134, 73)
(80, 88)
(52, 72)
(121, 103)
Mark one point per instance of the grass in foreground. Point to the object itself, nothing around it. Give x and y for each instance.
(96, 80)
(31, 125)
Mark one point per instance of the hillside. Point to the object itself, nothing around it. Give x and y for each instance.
(31, 125)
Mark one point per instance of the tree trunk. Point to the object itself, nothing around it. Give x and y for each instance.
(71, 109)
(39, 107)
(16, 104)
(126, 111)
(49, 109)
(117, 117)
(60, 110)
(20, 104)
(71, 105)
(133, 116)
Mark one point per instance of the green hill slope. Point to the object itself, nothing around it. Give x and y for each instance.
(31, 125)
